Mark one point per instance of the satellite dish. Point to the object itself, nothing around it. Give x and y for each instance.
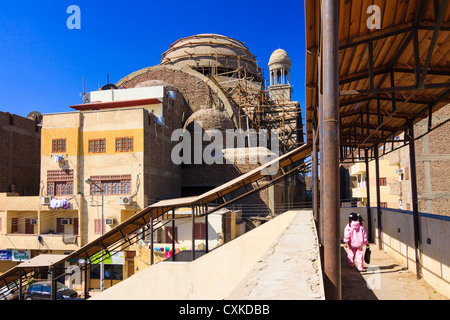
(109, 86)
(34, 115)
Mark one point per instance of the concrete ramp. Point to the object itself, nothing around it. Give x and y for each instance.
(278, 260)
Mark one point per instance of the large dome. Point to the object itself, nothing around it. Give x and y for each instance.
(203, 51)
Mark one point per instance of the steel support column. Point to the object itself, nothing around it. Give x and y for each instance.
(330, 152)
(173, 234)
(20, 284)
(315, 176)
(86, 291)
(413, 177)
(206, 230)
(377, 189)
(152, 250)
(369, 212)
(193, 234)
(53, 282)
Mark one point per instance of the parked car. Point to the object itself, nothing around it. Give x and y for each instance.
(9, 294)
(42, 291)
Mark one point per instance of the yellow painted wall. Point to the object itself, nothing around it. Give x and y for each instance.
(110, 136)
(72, 140)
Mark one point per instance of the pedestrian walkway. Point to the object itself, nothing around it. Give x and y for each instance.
(386, 278)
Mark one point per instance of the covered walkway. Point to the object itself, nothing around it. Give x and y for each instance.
(387, 279)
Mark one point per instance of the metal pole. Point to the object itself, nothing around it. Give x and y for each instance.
(173, 234)
(320, 131)
(152, 251)
(86, 293)
(369, 212)
(193, 233)
(53, 283)
(20, 284)
(315, 176)
(102, 266)
(413, 177)
(206, 230)
(330, 135)
(377, 188)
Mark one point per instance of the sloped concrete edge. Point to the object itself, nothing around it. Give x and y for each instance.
(291, 267)
(212, 276)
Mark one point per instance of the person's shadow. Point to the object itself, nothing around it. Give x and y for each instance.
(354, 286)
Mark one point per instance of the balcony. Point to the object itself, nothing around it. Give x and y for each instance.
(62, 242)
(360, 192)
(357, 168)
(393, 158)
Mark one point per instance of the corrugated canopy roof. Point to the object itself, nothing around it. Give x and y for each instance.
(379, 95)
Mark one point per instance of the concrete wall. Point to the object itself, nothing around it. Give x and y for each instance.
(398, 241)
(212, 276)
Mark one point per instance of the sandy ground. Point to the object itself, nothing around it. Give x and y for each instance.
(387, 279)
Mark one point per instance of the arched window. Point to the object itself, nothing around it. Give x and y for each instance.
(279, 77)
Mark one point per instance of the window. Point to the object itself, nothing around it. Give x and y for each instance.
(111, 185)
(382, 182)
(169, 233)
(59, 226)
(29, 228)
(14, 225)
(59, 182)
(200, 231)
(59, 145)
(97, 146)
(124, 144)
(98, 226)
(383, 205)
(112, 271)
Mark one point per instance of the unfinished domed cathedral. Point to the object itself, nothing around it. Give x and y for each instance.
(113, 157)
(222, 87)
(214, 71)
(186, 179)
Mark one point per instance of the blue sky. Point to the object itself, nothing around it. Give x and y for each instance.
(42, 62)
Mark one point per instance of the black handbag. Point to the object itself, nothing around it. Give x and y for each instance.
(367, 255)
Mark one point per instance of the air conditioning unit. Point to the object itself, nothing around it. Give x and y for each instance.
(400, 171)
(110, 221)
(65, 222)
(33, 221)
(125, 200)
(46, 200)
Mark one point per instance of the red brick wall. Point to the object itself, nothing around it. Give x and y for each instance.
(19, 154)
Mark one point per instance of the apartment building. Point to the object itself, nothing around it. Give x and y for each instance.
(432, 170)
(101, 163)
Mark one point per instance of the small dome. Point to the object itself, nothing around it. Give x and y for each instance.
(210, 119)
(279, 58)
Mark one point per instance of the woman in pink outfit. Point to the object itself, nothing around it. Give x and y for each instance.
(355, 237)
